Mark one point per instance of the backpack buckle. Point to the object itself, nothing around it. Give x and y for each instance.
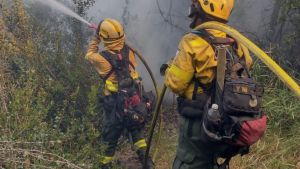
(253, 101)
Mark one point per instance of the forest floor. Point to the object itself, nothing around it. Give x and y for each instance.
(127, 159)
(270, 152)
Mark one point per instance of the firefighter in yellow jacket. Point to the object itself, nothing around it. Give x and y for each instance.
(195, 63)
(116, 66)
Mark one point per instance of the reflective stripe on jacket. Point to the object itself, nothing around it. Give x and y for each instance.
(196, 58)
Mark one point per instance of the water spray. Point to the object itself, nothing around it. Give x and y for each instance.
(62, 8)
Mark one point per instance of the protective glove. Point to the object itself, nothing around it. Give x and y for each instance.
(163, 69)
(138, 86)
(96, 28)
(93, 26)
(138, 81)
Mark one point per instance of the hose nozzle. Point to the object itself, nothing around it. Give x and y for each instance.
(93, 26)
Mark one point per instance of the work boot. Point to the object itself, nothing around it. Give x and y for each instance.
(141, 154)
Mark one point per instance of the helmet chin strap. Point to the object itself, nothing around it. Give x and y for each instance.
(193, 24)
(196, 13)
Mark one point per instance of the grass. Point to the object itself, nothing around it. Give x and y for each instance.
(278, 149)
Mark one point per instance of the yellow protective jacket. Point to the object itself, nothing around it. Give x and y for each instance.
(196, 58)
(103, 67)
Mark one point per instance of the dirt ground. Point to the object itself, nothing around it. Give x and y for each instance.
(126, 158)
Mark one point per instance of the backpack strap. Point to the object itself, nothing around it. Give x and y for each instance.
(109, 57)
(213, 41)
(126, 52)
(208, 37)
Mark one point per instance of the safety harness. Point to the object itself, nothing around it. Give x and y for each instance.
(131, 106)
(213, 41)
(120, 66)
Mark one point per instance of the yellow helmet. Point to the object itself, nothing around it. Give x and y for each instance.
(220, 9)
(110, 31)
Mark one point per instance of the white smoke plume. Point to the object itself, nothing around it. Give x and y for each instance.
(155, 27)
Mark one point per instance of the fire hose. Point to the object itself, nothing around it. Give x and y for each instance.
(155, 117)
(158, 104)
(267, 60)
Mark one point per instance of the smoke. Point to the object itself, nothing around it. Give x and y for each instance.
(146, 28)
(62, 8)
(252, 17)
(156, 27)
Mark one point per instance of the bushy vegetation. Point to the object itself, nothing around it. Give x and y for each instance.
(50, 114)
(49, 94)
(279, 148)
(285, 33)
